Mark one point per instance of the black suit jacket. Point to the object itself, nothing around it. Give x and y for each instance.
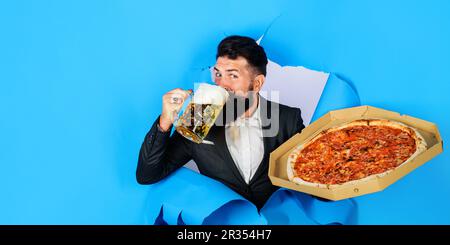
(161, 154)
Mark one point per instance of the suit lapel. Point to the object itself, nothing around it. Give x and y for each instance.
(268, 142)
(217, 135)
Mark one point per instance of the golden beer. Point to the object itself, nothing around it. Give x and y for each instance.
(201, 112)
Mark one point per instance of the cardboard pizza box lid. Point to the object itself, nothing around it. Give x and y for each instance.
(278, 158)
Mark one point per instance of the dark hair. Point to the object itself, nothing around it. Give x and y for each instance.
(233, 47)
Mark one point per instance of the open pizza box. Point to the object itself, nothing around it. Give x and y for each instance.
(278, 158)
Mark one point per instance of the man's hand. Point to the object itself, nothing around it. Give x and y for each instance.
(172, 102)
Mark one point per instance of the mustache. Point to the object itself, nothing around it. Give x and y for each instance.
(234, 107)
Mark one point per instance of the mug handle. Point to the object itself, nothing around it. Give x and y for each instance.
(176, 114)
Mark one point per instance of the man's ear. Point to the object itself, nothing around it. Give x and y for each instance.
(258, 82)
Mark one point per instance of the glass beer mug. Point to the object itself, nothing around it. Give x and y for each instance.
(199, 115)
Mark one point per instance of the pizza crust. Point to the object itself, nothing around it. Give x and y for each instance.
(421, 146)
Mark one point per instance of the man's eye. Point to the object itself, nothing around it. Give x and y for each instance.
(218, 75)
(233, 76)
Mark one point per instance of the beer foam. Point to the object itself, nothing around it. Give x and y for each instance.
(210, 94)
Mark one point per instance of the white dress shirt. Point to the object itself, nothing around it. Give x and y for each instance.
(244, 140)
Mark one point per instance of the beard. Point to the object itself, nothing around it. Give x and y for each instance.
(235, 107)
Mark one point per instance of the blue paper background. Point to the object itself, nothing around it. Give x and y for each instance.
(81, 82)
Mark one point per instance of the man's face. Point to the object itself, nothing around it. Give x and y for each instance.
(234, 75)
(237, 77)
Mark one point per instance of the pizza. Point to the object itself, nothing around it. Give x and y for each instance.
(352, 152)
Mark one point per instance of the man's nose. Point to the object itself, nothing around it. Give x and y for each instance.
(224, 84)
